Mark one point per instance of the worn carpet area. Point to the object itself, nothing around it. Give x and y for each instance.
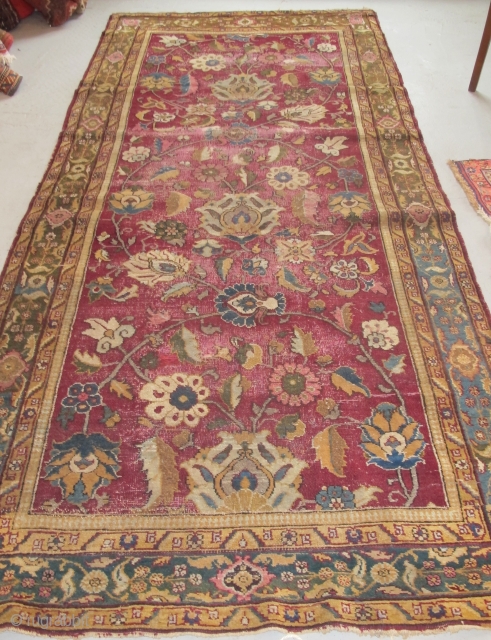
(244, 366)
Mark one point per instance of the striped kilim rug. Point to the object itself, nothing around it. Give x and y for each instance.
(244, 367)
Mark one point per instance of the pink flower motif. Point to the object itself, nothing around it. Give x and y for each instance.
(156, 318)
(420, 214)
(369, 56)
(294, 384)
(11, 367)
(58, 217)
(433, 580)
(356, 18)
(117, 56)
(243, 578)
(131, 22)
(271, 57)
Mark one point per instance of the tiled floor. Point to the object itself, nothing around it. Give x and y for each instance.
(433, 41)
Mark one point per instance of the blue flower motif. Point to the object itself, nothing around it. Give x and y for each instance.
(392, 440)
(240, 133)
(83, 397)
(242, 304)
(351, 175)
(334, 498)
(156, 59)
(292, 616)
(128, 541)
(437, 611)
(354, 535)
(255, 266)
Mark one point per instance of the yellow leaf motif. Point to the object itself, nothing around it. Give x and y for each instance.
(176, 203)
(102, 255)
(303, 343)
(121, 389)
(163, 176)
(254, 357)
(330, 450)
(223, 353)
(289, 79)
(372, 266)
(159, 464)
(323, 171)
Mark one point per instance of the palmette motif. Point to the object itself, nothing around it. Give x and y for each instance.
(236, 367)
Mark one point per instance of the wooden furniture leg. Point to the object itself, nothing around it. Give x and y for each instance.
(483, 50)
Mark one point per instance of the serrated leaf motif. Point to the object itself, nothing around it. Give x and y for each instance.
(349, 381)
(290, 427)
(330, 450)
(177, 290)
(176, 203)
(121, 389)
(159, 465)
(223, 266)
(184, 344)
(304, 207)
(276, 152)
(165, 173)
(395, 364)
(344, 316)
(232, 391)
(289, 79)
(303, 343)
(287, 279)
(86, 362)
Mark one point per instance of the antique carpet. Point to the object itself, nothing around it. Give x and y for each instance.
(245, 366)
(474, 176)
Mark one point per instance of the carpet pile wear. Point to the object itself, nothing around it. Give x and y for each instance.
(245, 366)
(474, 176)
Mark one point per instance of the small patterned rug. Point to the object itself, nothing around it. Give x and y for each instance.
(474, 176)
(244, 366)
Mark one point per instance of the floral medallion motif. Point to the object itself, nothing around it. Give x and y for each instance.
(243, 304)
(242, 88)
(242, 578)
(240, 218)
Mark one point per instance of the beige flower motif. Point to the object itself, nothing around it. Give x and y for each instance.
(384, 573)
(176, 399)
(295, 250)
(172, 41)
(326, 47)
(109, 334)
(94, 581)
(305, 113)
(157, 266)
(136, 154)
(287, 178)
(242, 88)
(332, 146)
(380, 334)
(201, 109)
(209, 62)
(162, 116)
